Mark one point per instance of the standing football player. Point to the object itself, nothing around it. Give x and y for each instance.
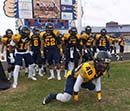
(51, 44)
(21, 42)
(6, 43)
(72, 48)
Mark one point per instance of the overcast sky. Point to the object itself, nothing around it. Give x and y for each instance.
(96, 13)
(99, 12)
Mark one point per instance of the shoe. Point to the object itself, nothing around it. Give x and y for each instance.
(59, 78)
(51, 77)
(47, 99)
(9, 78)
(33, 78)
(41, 75)
(14, 86)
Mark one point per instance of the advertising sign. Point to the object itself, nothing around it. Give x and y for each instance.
(41, 23)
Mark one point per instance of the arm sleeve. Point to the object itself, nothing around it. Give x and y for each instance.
(78, 83)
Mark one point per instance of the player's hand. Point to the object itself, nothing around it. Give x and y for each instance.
(97, 50)
(10, 8)
(31, 53)
(12, 60)
(42, 54)
(102, 100)
(2, 56)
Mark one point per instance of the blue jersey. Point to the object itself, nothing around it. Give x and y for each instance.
(35, 43)
(21, 43)
(51, 41)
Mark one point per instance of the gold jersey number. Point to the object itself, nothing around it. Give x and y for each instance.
(23, 46)
(35, 43)
(50, 41)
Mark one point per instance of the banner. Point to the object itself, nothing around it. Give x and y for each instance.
(41, 23)
(44, 9)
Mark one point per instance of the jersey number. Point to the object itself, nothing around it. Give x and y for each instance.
(50, 42)
(35, 43)
(89, 70)
(23, 46)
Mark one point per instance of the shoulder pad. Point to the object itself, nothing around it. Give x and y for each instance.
(66, 36)
(56, 32)
(16, 37)
(78, 36)
(4, 39)
(108, 37)
(41, 34)
(97, 36)
(84, 36)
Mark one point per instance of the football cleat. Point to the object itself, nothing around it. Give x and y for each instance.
(33, 78)
(14, 86)
(41, 75)
(59, 78)
(51, 77)
(47, 99)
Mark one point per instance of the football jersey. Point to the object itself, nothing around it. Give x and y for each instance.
(35, 43)
(6, 41)
(86, 70)
(21, 43)
(72, 41)
(50, 40)
(103, 40)
(87, 39)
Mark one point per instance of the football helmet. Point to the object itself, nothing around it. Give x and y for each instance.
(35, 31)
(88, 29)
(24, 31)
(73, 31)
(49, 27)
(9, 32)
(102, 60)
(103, 32)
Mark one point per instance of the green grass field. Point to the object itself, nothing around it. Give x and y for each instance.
(29, 94)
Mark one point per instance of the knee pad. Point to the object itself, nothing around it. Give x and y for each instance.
(65, 97)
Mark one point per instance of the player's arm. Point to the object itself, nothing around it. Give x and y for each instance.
(12, 45)
(2, 51)
(76, 88)
(42, 47)
(4, 41)
(108, 43)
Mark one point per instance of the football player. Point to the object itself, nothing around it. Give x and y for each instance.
(51, 43)
(121, 42)
(6, 43)
(35, 47)
(83, 76)
(88, 40)
(21, 42)
(103, 40)
(73, 45)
